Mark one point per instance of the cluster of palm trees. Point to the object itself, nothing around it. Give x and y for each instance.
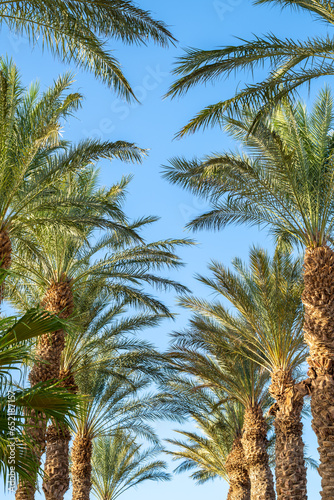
(80, 274)
(69, 250)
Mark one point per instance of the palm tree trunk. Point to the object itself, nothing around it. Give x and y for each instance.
(254, 442)
(58, 300)
(289, 446)
(5, 255)
(36, 425)
(56, 469)
(318, 299)
(81, 467)
(5, 249)
(237, 473)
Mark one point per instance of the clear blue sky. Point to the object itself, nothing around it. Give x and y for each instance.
(196, 23)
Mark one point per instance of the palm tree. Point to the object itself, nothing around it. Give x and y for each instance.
(102, 343)
(77, 32)
(241, 380)
(115, 404)
(217, 451)
(49, 399)
(284, 180)
(119, 463)
(291, 64)
(17, 447)
(267, 327)
(65, 266)
(34, 159)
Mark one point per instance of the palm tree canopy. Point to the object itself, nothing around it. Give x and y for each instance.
(283, 179)
(219, 425)
(105, 336)
(35, 160)
(119, 463)
(266, 320)
(238, 377)
(112, 403)
(118, 263)
(76, 31)
(291, 63)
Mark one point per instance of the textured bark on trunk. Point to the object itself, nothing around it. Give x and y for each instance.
(81, 467)
(254, 442)
(37, 428)
(5, 250)
(237, 473)
(58, 300)
(318, 299)
(289, 447)
(56, 469)
(5, 255)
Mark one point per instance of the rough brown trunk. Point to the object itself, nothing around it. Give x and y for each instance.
(318, 299)
(289, 447)
(5, 255)
(81, 467)
(254, 442)
(37, 428)
(5, 250)
(58, 300)
(237, 473)
(56, 469)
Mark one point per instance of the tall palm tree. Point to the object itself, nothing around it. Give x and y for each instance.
(77, 32)
(65, 266)
(102, 343)
(34, 159)
(243, 381)
(267, 327)
(50, 399)
(120, 463)
(284, 180)
(114, 405)
(217, 451)
(291, 64)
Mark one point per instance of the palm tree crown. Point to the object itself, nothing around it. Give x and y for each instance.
(220, 424)
(267, 322)
(119, 463)
(35, 161)
(283, 180)
(291, 63)
(76, 31)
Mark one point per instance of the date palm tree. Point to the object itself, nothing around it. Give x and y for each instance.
(77, 32)
(16, 446)
(120, 463)
(34, 159)
(113, 405)
(291, 64)
(241, 380)
(266, 296)
(284, 181)
(103, 343)
(217, 451)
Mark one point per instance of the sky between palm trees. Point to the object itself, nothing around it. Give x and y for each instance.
(195, 23)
